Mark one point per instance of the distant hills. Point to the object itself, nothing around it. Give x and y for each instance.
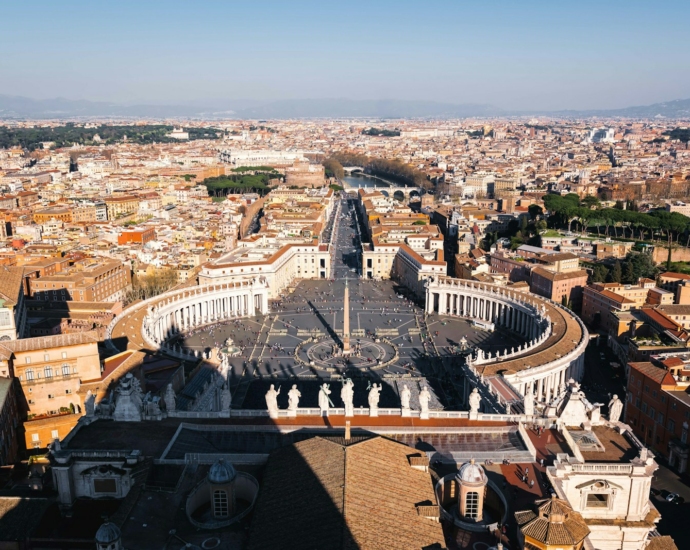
(59, 108)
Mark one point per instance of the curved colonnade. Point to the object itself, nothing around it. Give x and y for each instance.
(556, 338)
(554, 352)
(183, 310)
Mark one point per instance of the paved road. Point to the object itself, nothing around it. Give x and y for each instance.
(673, 516)
(347, 243)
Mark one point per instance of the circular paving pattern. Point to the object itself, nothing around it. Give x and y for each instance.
(367, 354)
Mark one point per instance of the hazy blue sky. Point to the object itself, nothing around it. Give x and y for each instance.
(512, 54)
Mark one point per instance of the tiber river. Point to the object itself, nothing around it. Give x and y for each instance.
(361, 180)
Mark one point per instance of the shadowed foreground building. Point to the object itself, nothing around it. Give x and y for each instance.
(336, 493)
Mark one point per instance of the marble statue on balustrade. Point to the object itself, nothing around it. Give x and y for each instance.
(128, 402)
(324, 400)
(225, 398)
(151, 407)
(293, 400)
(528, 401)
(615, 409)
(347, 394)
(170, 399)
(272, 401)
(90, 404)
(475, 402)
(374, 396)
(424, 398)
(405, 395)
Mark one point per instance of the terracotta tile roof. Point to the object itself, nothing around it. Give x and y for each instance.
(553, 522)
(661, 543)
(320, 493)
(11, 280)
(46, 342)
(649, 370)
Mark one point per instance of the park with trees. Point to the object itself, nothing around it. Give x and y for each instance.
(392, 170)
(248, 179)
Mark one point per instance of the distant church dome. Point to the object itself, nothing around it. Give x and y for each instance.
(221, 472)
(471, 473)
(107, 533)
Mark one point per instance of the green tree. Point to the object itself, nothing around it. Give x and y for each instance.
(616, 273)
(599, 273)
(333, 168)
(628, 273)
(535, 211)
(590, 201)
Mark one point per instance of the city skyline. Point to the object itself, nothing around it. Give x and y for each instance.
(514, 57)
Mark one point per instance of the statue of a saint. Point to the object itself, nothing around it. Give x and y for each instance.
(405, 397)
(424, 398)
(225, 398)
(169, 398)
(90, 403)
(475, 401)
(615, 409)
(528, 401)
(374, 395)
(347, 394)
(272, 401)
(324, 400)
(293, 398)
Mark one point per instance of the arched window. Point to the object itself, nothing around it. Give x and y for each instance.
(48, 372)
(220, 503)
(472, 505)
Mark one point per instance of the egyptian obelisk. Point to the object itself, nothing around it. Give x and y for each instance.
(346, 321)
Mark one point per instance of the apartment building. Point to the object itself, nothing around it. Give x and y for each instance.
(55, 213)
(601, 299)
(121, 205)
(12, 305)
(90, 280)
(658, 406)
(562, 287)
(138, 235)
(10, 418)
(50, 371)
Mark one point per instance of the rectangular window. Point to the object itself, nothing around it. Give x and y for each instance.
(27, 360)
(472, 504)
(64, 355)
(46, 357)
(671, 426)
(596, 500)
(104, 486)
(54, 434)
(34, 437)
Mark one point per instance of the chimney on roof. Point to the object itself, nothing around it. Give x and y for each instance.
(347, 430)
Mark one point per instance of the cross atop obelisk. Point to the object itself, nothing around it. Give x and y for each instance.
(346, 319)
